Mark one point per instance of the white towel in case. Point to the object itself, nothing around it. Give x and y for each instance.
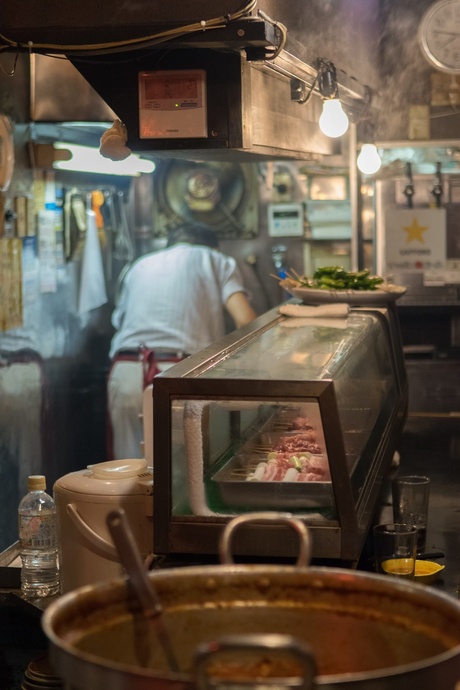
(331, 311)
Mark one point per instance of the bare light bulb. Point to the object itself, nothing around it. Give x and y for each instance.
(369, 160)
(333, 121)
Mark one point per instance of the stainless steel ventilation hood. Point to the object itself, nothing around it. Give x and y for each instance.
(249, 111)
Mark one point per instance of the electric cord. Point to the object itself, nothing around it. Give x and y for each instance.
(141, 41)
(282, 32)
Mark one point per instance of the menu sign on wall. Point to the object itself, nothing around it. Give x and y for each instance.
(10, 283)
(415, 240)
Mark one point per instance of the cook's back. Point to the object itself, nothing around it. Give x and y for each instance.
(174, 299)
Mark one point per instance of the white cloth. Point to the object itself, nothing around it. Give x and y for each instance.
(173, 299)
(193, 435)
(331, 311)
(92, 282)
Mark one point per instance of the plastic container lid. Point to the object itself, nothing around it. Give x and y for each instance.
(118, 469)
(36, 482)
(111, 478)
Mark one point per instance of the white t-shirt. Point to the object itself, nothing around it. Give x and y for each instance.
(173, 299)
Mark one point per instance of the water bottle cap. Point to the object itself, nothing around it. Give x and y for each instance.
(36, 482)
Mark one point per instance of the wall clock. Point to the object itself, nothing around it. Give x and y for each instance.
(439, 36)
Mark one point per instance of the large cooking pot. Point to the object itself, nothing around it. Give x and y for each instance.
(366, 631)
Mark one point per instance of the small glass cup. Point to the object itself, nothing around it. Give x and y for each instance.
(410, 504)
(395, 548)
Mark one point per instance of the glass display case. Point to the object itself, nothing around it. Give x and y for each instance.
(300, 416)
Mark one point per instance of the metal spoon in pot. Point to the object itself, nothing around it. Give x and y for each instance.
(130, 558)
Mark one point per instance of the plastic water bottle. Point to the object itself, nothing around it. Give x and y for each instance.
(38, 541)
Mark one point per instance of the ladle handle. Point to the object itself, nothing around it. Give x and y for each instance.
(123, 538)
(120, 529)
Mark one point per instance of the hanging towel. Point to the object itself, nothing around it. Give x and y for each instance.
(92, 282)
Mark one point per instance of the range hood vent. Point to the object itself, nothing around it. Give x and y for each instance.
(59, 93)
(249, 111)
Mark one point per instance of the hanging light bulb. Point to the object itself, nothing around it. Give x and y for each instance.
(369, 160)
(333, 121)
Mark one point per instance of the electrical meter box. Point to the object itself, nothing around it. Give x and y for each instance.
(172, 104)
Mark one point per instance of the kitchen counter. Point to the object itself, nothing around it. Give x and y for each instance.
(429, 445)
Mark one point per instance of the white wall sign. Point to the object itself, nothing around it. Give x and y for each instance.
(285, 220)
(415, 239)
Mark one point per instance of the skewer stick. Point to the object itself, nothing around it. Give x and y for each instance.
(297, 275)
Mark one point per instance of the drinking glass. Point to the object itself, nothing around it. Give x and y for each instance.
(410, 504)
(395, 548)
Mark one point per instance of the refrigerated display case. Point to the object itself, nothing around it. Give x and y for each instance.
(300, 416)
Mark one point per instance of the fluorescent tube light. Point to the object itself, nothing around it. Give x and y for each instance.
(88, 159)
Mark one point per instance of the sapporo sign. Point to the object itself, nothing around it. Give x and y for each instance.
(415, 239)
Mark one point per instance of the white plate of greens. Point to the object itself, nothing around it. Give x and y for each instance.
(380, 296)
(334, 284)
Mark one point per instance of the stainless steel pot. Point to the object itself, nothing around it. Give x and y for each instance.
(366, 632)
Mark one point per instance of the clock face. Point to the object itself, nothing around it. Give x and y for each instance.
(439, 36)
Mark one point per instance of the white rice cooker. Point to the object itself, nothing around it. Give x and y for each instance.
(83, 500)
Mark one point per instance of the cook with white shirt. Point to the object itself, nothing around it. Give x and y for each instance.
(171, 305)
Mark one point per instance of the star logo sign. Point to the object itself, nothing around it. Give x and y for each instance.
(414, 231)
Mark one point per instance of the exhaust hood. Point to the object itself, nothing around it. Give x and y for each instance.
(247, 113)
(220, 93)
